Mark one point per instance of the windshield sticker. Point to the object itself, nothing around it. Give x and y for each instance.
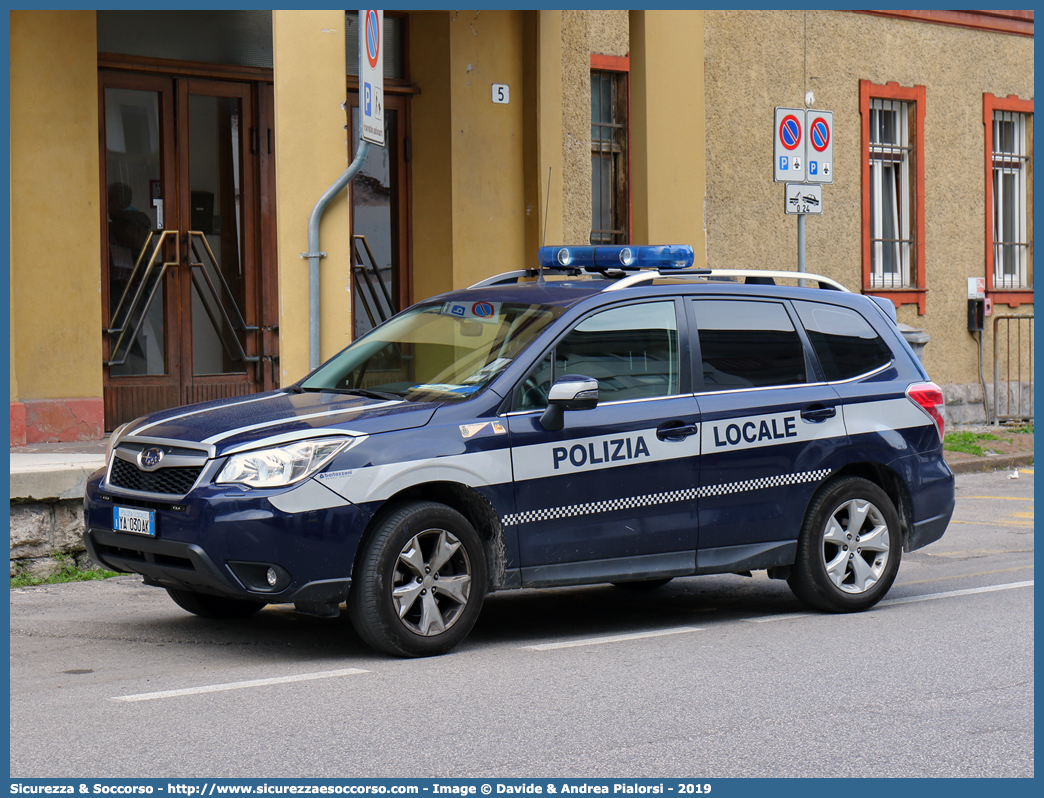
(442, 387)
(482, 429)
(485, 312)
(486, 372)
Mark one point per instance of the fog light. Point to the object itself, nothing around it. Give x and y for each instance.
(272, 577)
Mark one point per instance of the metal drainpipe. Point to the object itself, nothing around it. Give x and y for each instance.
(313, 254)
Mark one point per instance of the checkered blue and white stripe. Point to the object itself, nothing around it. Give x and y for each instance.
(650, 499)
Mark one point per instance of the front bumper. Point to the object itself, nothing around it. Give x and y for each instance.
(221, 540)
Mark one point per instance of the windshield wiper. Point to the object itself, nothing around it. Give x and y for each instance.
(356, 392)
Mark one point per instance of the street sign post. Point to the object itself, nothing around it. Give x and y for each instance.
(371, 76)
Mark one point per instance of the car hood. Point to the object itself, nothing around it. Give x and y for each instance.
(234, 423)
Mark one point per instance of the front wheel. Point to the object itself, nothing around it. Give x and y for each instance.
(419, 582)
(206, 606)
(849, 548)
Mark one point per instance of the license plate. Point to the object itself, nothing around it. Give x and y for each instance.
(139, 522)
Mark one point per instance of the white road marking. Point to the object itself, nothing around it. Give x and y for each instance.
(217, 688)
(594, 641)
(952, 593)
(769, 618)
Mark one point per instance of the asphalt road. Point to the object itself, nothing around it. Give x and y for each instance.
(707, 677)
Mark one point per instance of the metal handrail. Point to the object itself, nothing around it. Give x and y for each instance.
(242, 325)
(361, 269)
(1020, 415)
(122, 329)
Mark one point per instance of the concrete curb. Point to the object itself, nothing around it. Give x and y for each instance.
(995, 463)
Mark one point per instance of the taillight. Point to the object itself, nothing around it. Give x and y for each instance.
(929, 397)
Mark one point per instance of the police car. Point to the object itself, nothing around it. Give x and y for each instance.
(613, 417)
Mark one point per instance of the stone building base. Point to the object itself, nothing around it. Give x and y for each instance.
(964, 402)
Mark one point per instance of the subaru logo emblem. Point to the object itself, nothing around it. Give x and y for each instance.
(150, 458)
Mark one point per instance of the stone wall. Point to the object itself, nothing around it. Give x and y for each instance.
(964, 401)
(39, 530)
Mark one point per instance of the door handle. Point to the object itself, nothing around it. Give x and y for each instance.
(816, 413)
(676, 431)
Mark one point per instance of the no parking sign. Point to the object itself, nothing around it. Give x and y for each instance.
(371, 76)
(804, 146)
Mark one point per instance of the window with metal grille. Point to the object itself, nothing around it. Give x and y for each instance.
(893, 192)
(891, 206)
(1012, 190)
(609, 190)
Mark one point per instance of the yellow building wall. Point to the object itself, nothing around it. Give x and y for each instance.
(488, 197)
(312, 152)
(432, 167)
(668, 172)
(56, 343)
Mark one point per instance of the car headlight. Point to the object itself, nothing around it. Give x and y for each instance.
(281, 465)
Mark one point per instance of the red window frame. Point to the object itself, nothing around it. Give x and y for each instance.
(1013, 297)
(916, 294)
(620, 63)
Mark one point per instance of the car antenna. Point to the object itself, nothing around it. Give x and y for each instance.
(543, 239)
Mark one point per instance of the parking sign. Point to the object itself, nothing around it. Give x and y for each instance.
(789, 149)
(371, 76)
(819, 148)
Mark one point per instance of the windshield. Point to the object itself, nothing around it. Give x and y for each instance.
(435, 353)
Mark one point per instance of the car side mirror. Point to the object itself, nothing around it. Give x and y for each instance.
(570, 392)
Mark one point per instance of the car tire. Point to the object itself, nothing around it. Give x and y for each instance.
(419, 581)
(849, 548)
(207, 606)
(642, 585)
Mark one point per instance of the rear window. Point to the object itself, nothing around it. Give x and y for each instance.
(844, 341)
(748, 344)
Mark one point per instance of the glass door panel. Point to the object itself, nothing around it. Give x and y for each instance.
(216, 234)
(134, 195)
(375, 229)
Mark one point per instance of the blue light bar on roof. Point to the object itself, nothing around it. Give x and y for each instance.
(626, 258)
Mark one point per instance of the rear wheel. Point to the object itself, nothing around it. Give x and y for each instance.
(419, 582)
(207, 606)
(849, 548)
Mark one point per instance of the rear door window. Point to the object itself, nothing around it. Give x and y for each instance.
(843, 340)
(748, 344)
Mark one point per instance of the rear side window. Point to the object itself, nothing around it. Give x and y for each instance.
(747, 344)
(844, 341)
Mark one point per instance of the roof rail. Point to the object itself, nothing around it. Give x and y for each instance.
(637, 278)
(711, 274)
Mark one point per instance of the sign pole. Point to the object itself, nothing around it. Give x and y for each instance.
(801, 247)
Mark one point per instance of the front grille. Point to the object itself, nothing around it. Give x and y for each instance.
(174, 481)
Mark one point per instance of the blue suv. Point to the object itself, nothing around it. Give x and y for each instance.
(615, 416)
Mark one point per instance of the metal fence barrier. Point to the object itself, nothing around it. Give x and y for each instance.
(1012, 397)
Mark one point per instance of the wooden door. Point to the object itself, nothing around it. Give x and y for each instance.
(188, 261)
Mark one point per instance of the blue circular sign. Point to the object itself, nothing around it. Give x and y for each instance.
(790, 132)
(373, 38)
(483, 310)
(819, 134)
